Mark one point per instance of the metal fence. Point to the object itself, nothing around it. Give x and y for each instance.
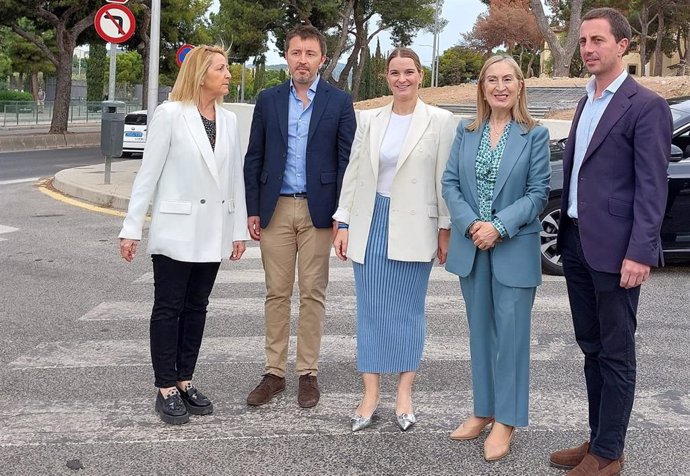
(18, 113)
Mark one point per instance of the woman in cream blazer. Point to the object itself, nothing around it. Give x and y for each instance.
(192, 169)
(392, 223)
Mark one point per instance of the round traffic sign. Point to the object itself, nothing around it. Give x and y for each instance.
(182, 52)
(114, 23)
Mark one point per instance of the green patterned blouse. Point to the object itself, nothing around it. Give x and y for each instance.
(486, 169)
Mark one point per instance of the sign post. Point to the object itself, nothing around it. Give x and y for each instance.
(115, 24)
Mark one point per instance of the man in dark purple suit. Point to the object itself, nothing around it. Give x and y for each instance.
(614, 194)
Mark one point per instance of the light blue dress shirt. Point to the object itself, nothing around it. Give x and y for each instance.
(299, 117)
(589, 119)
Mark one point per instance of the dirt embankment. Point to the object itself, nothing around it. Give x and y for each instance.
(668, 87)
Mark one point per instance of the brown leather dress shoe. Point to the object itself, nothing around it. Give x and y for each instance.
(590, 467)
(308, 393)
(270, 386)
(571, 457)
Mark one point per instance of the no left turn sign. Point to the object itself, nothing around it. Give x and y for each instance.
(114, 23)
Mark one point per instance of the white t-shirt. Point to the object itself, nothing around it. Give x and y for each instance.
(391, 146)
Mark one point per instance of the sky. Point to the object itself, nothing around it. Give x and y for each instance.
(461, 15)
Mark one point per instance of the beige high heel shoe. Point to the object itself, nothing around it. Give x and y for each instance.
(496, 448)
(471, 431)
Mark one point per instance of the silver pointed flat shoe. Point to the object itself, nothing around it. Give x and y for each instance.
(360, 422)
(405, 420)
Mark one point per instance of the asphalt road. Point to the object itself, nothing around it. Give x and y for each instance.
(16, 167)
(77, 389)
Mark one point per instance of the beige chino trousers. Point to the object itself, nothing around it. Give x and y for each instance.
(290, 239)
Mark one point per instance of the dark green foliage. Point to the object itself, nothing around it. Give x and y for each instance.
(95, 70)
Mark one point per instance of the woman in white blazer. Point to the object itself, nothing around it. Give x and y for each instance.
(192, 170)
(392, 223)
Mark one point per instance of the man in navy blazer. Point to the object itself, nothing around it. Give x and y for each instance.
(299, 148)
(614, 194)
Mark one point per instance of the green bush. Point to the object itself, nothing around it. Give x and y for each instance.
(15, 96)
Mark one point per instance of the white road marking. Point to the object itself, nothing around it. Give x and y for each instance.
(126, 420)
(24, 180)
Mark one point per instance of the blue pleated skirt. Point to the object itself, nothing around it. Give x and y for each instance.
(390, 303)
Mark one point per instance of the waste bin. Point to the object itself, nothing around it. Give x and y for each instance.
(112, 128)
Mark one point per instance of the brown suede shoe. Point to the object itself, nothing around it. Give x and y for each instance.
(308, 393)
(571, 457)
(270, 386)
(590, 467)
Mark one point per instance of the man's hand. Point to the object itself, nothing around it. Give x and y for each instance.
(442, 251)
(238, 248)
(128, 248)
(254, 226)
(633, 273)
(340, 244)
(484, 235)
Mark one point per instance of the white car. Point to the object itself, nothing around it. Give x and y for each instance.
(135, 133)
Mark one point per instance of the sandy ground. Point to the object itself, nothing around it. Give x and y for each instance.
(667, 87)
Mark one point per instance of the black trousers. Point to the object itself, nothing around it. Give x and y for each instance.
(181, 291)
(605, 319)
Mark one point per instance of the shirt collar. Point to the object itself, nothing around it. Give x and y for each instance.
(611, 88)
(312, 87)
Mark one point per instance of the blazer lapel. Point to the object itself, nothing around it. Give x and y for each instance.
(377, 129)
(319, 105)
(620, 103)
(514, 146)
(469, 159)
(418, 125)
(281, 101)
(200, 138)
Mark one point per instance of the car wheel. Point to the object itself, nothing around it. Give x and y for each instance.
(550, 259)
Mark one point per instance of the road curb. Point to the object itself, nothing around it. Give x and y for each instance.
(42, 141)
(86, 183)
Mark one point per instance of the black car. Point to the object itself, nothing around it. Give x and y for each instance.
(675, 230)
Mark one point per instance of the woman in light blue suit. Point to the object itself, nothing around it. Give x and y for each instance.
(496, 184)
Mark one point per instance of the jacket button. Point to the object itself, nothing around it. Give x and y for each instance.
(412, 212)
(414, 180)
(493, 212)
(223, 201)
(203, 200)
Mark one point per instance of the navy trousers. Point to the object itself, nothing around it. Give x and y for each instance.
(181, 291)
(605, 318)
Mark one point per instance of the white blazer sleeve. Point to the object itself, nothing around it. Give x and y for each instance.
(158, 139)
(446, 136)
(347, 192)
(240, 231)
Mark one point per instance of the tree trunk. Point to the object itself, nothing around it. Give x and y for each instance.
(337, 52)
(63, 92)
(658, 52)
(34, 85)
(562, 54)
(63, 87)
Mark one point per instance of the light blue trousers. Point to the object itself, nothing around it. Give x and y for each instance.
(499, 321)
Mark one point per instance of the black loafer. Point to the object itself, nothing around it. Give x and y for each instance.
(172, 409)
(196, 402)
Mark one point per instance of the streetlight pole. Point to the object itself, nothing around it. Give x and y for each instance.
(154, 57)
(434, 60)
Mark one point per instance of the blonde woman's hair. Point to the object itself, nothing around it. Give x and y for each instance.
(520, 112)
(187, 86)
